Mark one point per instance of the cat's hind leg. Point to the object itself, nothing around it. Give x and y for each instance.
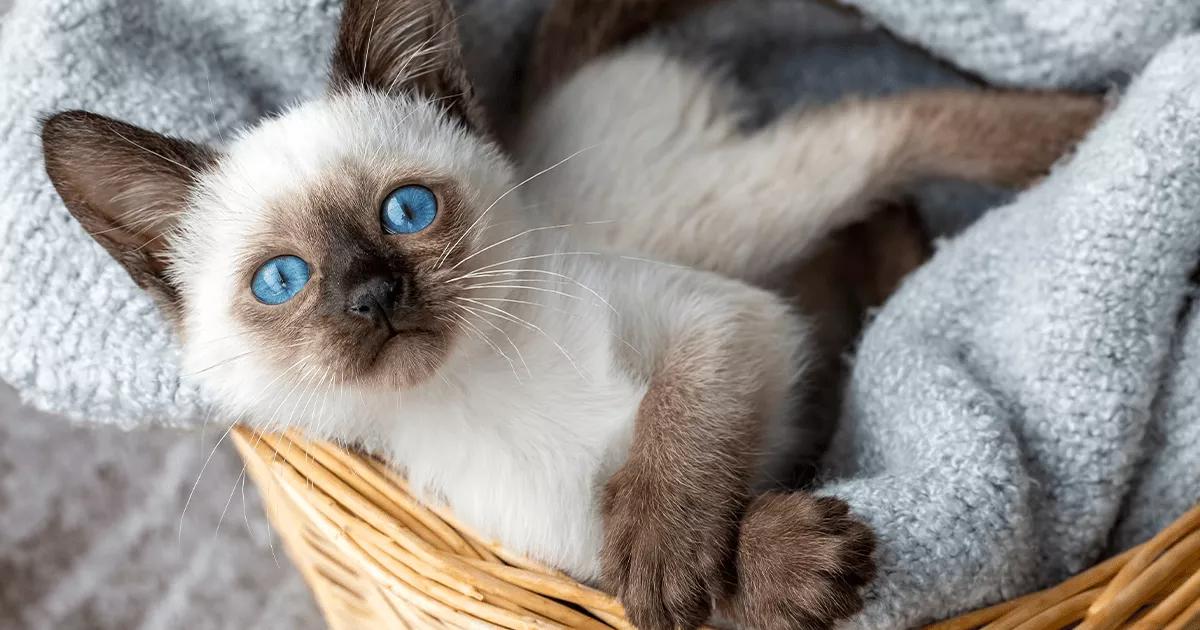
(758, 202)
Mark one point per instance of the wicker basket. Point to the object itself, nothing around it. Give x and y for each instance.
(377, 558)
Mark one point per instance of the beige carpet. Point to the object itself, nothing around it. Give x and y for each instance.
(90, 533)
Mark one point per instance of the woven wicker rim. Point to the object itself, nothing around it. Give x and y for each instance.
(377, 557)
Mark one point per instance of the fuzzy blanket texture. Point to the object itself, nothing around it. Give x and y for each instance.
(1027, 403)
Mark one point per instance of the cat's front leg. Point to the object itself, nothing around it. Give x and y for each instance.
(681, 532)
(721, 361)
(671, 512)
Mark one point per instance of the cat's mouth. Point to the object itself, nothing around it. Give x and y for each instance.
(403, 328)
(400, 336)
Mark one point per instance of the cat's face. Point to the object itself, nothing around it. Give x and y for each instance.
(325, 247)
(334, 238)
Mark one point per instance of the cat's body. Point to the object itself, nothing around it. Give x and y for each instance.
(573, 352)
(575, 328)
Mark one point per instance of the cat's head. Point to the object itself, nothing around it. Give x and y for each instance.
(323, 247)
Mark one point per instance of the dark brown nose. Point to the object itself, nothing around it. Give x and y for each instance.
(379, 299)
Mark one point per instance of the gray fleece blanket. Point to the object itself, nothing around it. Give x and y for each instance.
(1027, 403)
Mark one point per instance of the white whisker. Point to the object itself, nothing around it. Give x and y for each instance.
(652, 261)
(370, 36)
(523, 288)
(446, 252)
(191, 493)
(520, 356)
(245, 510)
(529, 303)
(321, 417)
(484, 338)
(471, 273)
(516, 236)
(228, 502)
(160, 156)
(242, 356)
(498, 272)
(509, 316)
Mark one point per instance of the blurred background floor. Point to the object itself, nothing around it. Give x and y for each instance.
(91, 537)
(90, 532)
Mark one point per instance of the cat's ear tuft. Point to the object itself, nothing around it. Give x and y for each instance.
(394, 46)
(127, 187)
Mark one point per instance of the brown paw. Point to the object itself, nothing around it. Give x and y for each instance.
(667, 549)
(801, 563)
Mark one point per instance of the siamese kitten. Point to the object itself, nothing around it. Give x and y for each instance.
(568, 344)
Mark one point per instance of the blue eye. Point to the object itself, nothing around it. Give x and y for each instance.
(408, 209)
(279, 279)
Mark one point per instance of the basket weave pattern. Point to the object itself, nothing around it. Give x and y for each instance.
(376, 557)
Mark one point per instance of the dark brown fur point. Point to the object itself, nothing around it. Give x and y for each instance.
(406, 46)
(335, 227)
(1005, 138)
(671, 512)
(801, 563)
(126, 186)
(679, 535)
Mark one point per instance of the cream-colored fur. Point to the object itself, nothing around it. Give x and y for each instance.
(663, 158)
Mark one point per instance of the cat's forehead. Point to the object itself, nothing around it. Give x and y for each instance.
(348, 145)
(353, 134)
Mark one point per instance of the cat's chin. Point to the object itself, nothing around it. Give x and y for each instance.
(405, 360)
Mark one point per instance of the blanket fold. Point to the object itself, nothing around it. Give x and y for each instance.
(1027, 403)
(1012, 395)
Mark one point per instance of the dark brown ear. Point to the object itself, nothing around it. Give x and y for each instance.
(127, 186)
(405, 45)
